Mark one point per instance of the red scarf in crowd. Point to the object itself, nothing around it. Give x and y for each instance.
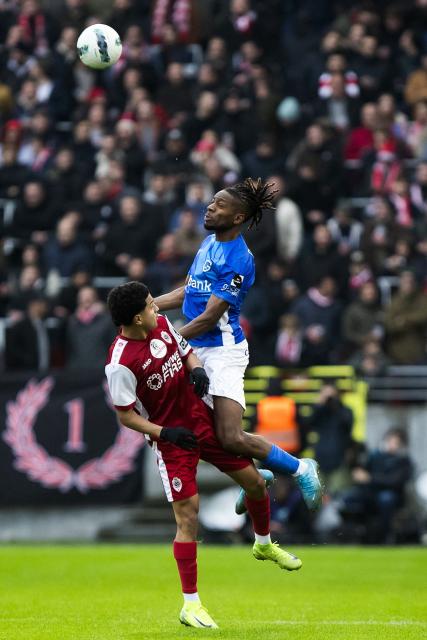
(288, 347)
(33, 29)
(402, 204)
(351, 85)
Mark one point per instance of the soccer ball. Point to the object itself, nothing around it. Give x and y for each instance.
(99, 46)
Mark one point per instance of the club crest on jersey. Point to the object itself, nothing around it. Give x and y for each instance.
(207, 265)
(166, 337)
(155, 381)
(177, 484)
(158, 348)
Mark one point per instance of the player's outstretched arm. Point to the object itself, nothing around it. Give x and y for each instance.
(215, 309)
(179, 436)
(171, 300)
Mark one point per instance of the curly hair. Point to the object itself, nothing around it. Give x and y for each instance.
(254, 196)
(125, 301)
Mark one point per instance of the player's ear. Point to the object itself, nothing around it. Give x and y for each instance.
(239, 218)
(137, 319)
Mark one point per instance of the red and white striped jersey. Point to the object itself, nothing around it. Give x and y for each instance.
(150, 376)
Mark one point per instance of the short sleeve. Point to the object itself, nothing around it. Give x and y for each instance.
(122, 385)
(183, 347)
(229, 286)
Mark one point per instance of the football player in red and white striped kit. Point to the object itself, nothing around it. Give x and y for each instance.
(156, 383)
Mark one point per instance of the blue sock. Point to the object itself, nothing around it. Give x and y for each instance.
(279, 460)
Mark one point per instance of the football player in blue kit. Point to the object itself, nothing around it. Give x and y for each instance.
(222, 272)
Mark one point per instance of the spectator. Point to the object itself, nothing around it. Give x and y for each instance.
(345, 231)
(363, 318)
(405, 322)
(401, 257)
(361, 138)
(96, 211)
(370, 68)
(125, 238)
(401, 201)
(379, 485)
(318, 312)
(332, 421)
(66, 301)
(127, 143)
(174, 160)
(159, 199)
(170, 266)
(359, 273)
(28, 344)
(67, 176)
(239, 25)
(197, 197)
(29, 285)
(64, 252)
(379, 234)
(89, 332)
(13, 174)
(416, 136)
(317, 169)
(187, 236)
(175, 94)
(35, 215)
(416, 84)
(289, 341)
(338, 106)
(288, 222)
(320, 257)
(290, 124)
(370, 360)
(205, 117)
(280, 288)
(263, 160)
(236, 120)
(418, 190)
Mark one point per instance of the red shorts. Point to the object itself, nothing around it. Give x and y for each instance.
(178, 467)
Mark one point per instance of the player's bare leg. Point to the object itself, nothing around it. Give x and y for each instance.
(228, 425)
(258, 506)
(193, 613)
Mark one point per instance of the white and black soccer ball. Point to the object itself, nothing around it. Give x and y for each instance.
(99, 46)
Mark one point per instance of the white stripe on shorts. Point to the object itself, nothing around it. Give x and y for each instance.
(163, 473)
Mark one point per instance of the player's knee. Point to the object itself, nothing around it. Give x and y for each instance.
(187, 521)
(255, 487)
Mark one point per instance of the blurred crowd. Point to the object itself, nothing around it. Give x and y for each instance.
(107, 174)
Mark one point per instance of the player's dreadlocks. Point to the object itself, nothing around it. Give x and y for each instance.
(254, 196)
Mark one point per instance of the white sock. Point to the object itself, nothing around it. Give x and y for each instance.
(263, 539)
(191, 597)
(302, 468)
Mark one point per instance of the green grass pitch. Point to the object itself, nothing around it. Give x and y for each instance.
(131, 593)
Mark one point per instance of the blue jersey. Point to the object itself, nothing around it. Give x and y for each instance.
(227, 270)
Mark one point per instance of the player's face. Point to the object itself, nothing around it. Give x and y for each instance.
(222, 214)
(147, 319)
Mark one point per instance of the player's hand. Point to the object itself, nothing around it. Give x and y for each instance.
(200, 380)
(179, 436)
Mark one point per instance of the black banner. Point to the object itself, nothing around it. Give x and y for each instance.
(60, 443)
